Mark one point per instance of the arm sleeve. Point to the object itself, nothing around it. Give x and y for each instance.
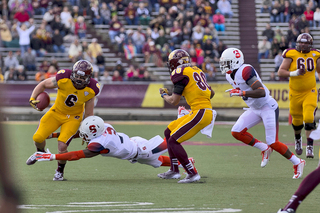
(70, 156)
(249, 75)
(179, 87)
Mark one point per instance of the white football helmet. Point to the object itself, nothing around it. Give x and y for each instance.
(231, 59)
(91, 127)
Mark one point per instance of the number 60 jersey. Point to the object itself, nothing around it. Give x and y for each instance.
(70, 101)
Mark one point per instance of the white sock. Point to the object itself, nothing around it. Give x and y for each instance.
(261, 146)
(295, 160)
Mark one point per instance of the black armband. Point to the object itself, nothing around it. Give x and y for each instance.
(178, 88)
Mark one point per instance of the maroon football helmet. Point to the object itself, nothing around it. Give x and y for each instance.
(304, 43)
(176, 58)
(81, 74)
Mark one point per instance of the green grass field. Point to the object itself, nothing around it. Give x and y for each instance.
(232, 179)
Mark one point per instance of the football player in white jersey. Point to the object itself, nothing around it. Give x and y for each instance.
(247, 84)
(103, 140)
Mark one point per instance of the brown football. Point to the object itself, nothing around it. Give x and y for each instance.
(44, 99)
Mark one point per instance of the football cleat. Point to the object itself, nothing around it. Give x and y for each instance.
(286, 211)
(298, 169)
(169, 175)
(266, 156)
(298, 146)
(309, 151)
(192, 161)
(58, 176)
(190, 178)
(31, 160)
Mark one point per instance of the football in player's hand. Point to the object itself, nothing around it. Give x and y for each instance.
(44, 101)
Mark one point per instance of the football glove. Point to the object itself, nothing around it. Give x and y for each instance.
(235, 92)
(163, 91)
(298, 72)
(33, 102)
(45, 156)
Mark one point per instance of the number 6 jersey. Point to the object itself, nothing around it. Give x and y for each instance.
(70, 100)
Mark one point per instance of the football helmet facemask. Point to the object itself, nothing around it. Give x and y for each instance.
(81, 74)
(91, 127)
(230, 60)
(304, 43)
(177, 58)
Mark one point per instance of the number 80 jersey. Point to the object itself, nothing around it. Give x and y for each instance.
(196, 92)
(70, 101)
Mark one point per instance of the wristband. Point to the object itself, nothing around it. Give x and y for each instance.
(53, 157)
(163, 94)
(243, 93)
(294, 73)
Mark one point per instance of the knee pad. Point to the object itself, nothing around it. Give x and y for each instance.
(297, 128)
(310, 126)
(38, 138)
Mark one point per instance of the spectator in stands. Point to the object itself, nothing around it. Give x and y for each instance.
(75, 51)
(135, 76)
(105, 13)
(283, 44)
(208, 49)
(67, 20)
(19, 57)
(168, 23)
(130, 15)
(56, 24)
(27, 7)
(95, 14)
(221, 47)
(162, 39)
(316, 17)
(36, 8)
(105, 78)
(153, 33)
(114, 28)
(119, 68)
(143, 14)
(285, 16)
(22, 16)
(89, 57)
(94, 47)
(264, 47)
(266, 6)
(48, 43)
(278, 34)
(197, 33)
(165, 51)
(268, 32)
(275, 47)
(298, 8)
(277, 61)
(130, 50)
(10, 61)
(58, 4)
(52, 72)
(146, 76)
(225, 8)
(80, 27)
(10, 75)
(36, 45)
(120, 39)
(138, 40)
(57, 41)
(100, 62)
(175, 32)
(275, 12)
(24, 36)
(129, 72)
(302, 24)
(54, 62)
(200, 53)
(5, 34)
(202, 20)
(293, 21)
(49, 16)
(219, 21)
(116, 76)
(185, 35)
(309, 15)
(44, 67)
(84, 45)
(21, 74)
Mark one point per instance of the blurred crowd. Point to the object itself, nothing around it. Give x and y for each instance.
(301, 16)
(162, 25)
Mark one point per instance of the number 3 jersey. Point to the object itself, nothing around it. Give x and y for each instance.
(114, 144)
(307, 61)
(196, 92)
(70, 101)
(242, 80)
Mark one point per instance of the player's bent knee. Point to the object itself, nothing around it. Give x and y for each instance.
(297, 128)
(38, 138)
(236, 135)
(310, 126)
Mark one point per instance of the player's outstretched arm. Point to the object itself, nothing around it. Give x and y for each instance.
(49, 83)
(69, 156)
